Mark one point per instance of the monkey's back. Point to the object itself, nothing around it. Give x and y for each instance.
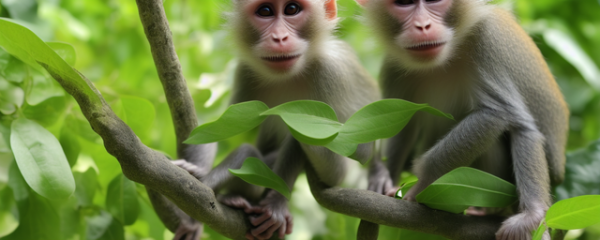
(505, 47)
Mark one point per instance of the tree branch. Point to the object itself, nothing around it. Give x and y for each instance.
(380, 209)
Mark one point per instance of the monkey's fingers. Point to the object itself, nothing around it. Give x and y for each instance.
(262, 230)
(249, 236)
(261, 218)
(189, 167)
(188, 232)
(290, 224)
(392, 191)
(236, 202)
(268, 232)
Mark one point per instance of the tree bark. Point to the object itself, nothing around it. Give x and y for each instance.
(146, 166)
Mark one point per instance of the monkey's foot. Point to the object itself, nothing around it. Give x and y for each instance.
(485, 211)
(188, 231)
(520, 226)
(194, 170)
(272, 215)
(380, 181)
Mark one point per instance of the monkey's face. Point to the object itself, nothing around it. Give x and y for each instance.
(422, 39)
(280, 47)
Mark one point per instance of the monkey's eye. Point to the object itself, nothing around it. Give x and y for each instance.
(292, 9)
(404, 2)
(265, 11)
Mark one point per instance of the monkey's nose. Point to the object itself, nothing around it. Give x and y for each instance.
(423, 26)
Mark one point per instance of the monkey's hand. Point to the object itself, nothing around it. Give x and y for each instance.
(380, 180)
(272, 215)
(188, 230)
(191, 168)
(521, 226)
(411, 195)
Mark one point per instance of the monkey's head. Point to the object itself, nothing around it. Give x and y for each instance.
(421, 33)
(278, 37)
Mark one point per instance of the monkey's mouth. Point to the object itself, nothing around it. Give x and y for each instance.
(424, 46)
(281, 58)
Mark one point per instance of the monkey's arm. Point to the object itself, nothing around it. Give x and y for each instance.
(273, 213)
(466, 141)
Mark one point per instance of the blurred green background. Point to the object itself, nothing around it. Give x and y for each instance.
(113, 53)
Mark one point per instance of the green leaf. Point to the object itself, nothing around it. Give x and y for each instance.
(256, 172)
(11, 68)
(312, 119)
(574, 213)
(87, 184)
(38, 219)
(539, 232)
(41, 160)
(65, 51)
(11, 97)
(40, 88)
(9, 214)
(47, 112)
(137, 113)
(404, 189)
(121, 200)
(238, 118)
(29, 48)
(464, 187)
(581, 178)
(105, 227)
(342, 146)
(383, 119)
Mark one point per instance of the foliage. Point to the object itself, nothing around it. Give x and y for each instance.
(112, 51)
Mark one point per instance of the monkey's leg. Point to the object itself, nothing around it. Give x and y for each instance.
(273, 213)
(533, 184)
(216, 178)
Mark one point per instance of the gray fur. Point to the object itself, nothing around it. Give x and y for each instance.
(504, 98)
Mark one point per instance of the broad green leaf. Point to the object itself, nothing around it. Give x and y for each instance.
(137, 113)
(121, 200)
(25, 45)
(256, 172)
(539, 232)
(574, 213)
(464, 187)
(65, 51)
(41, 160)
(70, 144)
(238, 118)
(313, 119)
(342, 146)
(104, 227)
(47, 112)
(383, 119)
(11, 97)
(86, 185)
(17, 183)
(9, 214)
(11, 68)
(40, 88)
(404, 189)
(37, 220)
(305, 139)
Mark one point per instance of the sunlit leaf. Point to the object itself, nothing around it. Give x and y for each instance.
(404, 189)
(464, 187)
(86, 186)
(312, 119)
(137, 113)
(11, 97)
(41, 160)
(121, 200)
(256, 172)
(539, 232)
(383, 119)
(65, 51)
(9, 214)
(238, 118)
(25, 45)
(574, 213)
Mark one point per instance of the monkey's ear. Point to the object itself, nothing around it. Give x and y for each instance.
(362, 2)
(331, 9)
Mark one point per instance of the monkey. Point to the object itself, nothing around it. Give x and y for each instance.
(473, 60)
(286, 52)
